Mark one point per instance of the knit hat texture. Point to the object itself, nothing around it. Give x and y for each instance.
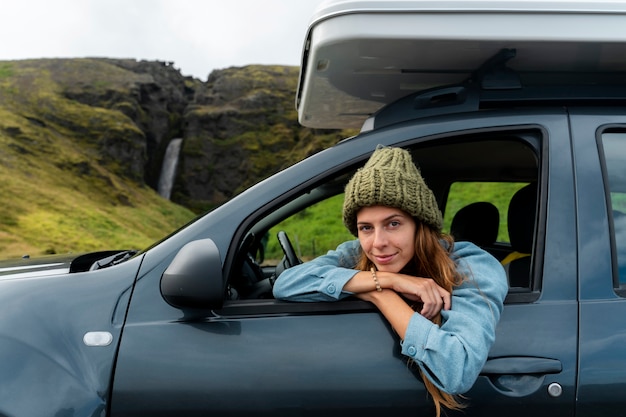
(390, 178)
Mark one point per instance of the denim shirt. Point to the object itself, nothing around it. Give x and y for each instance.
(452, 355)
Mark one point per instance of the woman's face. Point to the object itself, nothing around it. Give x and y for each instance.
(387, 236)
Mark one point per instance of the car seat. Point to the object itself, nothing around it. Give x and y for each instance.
(477, 223)
(521, 226)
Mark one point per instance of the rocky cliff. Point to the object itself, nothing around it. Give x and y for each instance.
(82, 145)
(237, 128)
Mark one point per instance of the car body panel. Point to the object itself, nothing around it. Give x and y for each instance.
(42, 340)
(29, 268)
(264, 365)
(602, 337)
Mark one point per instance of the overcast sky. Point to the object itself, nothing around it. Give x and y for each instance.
(197, 35)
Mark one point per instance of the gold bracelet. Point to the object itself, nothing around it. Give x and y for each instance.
(376, 280)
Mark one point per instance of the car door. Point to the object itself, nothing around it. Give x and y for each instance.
(266, 357)
(599, 138)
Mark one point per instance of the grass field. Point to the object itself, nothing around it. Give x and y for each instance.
(46, 211)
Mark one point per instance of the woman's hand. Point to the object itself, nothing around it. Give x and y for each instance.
(423, 290)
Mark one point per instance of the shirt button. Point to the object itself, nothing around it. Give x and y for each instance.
(412, 351)
(331, 289)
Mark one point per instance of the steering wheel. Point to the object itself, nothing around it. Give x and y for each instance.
(291, 259)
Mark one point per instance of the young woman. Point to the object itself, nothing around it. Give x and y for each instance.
(444, 299)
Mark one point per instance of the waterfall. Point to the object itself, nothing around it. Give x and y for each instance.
(168, 169)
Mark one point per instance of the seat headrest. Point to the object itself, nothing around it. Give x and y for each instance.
(521, 218)
(477, 222)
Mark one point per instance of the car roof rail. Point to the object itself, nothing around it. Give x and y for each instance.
(495, 75)
(436, 101)
(495, 85)
(492, 75)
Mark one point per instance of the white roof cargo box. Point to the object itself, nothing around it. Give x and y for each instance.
(360, 55)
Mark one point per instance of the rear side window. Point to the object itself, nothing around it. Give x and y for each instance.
(614, 146)
(500, 218)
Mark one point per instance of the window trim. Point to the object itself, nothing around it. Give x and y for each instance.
(618, 287)
(273, 307)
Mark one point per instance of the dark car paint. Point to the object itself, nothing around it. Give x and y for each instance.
(602, 357)
(46, 368)
(268, 357)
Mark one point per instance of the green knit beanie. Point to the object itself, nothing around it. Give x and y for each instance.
(390, 178)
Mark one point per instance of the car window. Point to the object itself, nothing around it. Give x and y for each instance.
(614, 150)
(483, 196)
(460, 170)
(499, 217)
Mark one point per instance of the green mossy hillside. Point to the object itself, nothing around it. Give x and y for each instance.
(82, 143)
(59, 191)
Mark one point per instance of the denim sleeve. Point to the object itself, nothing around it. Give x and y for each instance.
(453, 355)
(321, 279)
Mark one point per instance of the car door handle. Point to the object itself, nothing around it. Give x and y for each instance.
(516, 365)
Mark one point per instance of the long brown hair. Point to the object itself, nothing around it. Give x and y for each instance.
(432, 260)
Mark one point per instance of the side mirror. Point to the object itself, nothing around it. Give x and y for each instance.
(194, 278)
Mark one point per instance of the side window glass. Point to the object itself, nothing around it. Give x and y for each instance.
(500, 218)
(614, 146)
(489, 201)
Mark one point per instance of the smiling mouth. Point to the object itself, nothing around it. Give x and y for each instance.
(383, 259)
